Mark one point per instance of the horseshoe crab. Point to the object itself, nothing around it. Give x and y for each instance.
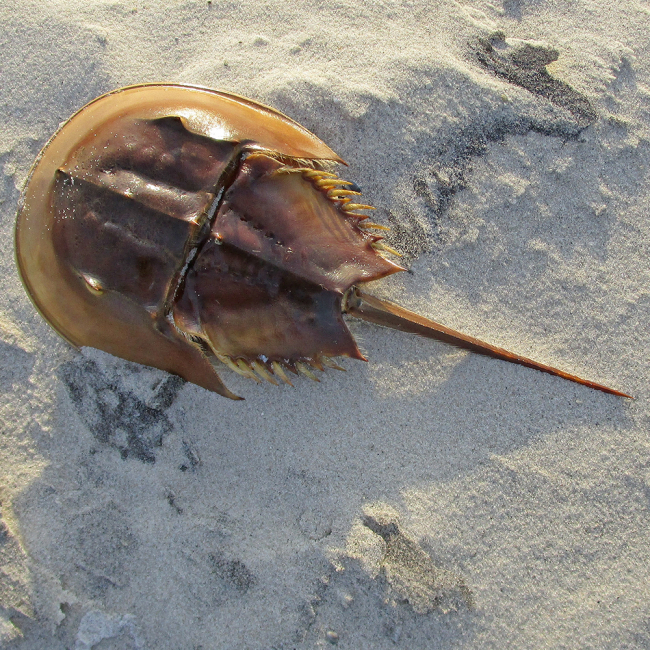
(179, 227)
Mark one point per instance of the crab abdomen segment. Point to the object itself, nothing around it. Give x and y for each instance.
(246, 308)
(277, 214)
(269, 282)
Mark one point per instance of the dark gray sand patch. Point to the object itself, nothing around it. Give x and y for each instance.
(412, 574)
(117, 417)
(523, 63)
(232, 572)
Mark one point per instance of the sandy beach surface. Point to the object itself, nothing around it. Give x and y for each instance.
(429, 498)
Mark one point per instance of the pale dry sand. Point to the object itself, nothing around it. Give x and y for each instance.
(430, 498)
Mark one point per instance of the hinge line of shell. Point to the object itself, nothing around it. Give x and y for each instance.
(194, 244)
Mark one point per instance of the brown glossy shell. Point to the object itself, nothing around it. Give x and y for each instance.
(174, 225)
